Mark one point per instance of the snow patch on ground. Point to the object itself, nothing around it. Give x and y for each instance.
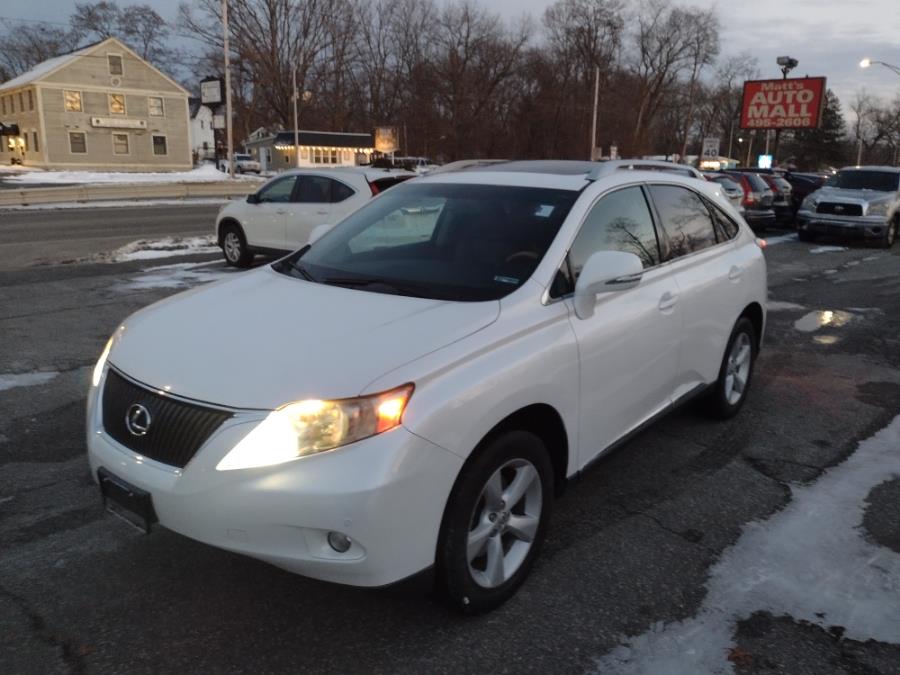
(131, 203)
(13, 380)
(828, 249)
(204, 174)
(179, 275)
(148, 249)
(772, 241)
(779, 306)
(811, 561)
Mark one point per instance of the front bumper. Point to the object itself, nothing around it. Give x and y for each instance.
(387, 493)
(853, 227)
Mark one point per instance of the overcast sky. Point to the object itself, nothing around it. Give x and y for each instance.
(828, 37)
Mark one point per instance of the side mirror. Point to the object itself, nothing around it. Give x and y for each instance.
(605, 272)
(317, 232)
(253, 198)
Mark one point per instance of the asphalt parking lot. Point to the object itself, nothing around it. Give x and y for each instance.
(754, 545)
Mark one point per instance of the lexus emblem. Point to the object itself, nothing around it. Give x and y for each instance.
(838, 208)
(137, 420)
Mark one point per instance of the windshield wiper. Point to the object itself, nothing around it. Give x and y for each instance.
(399, 289)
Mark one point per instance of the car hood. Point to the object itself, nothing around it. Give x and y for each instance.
(867, 196)
(265, 339)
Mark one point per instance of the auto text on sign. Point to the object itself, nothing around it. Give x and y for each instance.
(783, 104)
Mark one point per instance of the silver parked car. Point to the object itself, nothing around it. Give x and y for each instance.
(859, 202)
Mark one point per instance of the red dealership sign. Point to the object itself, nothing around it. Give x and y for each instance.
(783, 104)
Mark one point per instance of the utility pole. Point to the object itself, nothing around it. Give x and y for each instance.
(594, 116)
(296, 122)
(228, 130)
(787, 65)
(750, 146)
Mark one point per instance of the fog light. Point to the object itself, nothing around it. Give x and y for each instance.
(339, 542)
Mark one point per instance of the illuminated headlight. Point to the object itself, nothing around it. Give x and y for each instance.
(810, 203)
(308, 427)
(101, 364)
(878, 209)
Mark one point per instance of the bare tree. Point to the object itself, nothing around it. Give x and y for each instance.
(23, 46)
(97, 20)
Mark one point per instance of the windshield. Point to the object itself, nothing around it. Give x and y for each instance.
(441, 241)
(242, 157)
(883, 181)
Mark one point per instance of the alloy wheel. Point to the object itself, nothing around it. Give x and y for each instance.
(504, 523)
(232, 246)
(737, 371)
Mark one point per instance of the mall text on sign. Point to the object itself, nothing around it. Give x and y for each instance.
(783, 104)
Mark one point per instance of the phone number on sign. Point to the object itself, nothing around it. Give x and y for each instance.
(780, 122)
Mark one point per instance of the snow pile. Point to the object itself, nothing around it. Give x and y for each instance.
(147, 249)
(772, 241)
(810, 561)
(12, 380)
(781, 306)
(828, 249)
(203, 174)
(180, 275)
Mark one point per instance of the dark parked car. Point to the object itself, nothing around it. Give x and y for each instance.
(782, 201)
(758, 198)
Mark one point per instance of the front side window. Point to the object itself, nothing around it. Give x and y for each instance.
(277, 191)
(115, 64)
(684, 219)
(120, 144)
(620, 221)
(444, 241)
(77, 142)
(117, 104)
(72, 101)
(159, 145)
(155, 107)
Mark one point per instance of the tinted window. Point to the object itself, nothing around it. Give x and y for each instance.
(685, 219)
(278, 191)
(620, 221)
(883, 181)
(340, 191)
(449, 241)
(314, 189)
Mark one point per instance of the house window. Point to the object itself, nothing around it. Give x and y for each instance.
(2, 105)
(73, 101)
(21, 101)
(117, 104)
(25, 137)
(159, 145)
(324, 156)
(12, 104)
(115, 64)
(30, 100)
(120, 144)
(155, 106)
(77, 143)
(37, 147)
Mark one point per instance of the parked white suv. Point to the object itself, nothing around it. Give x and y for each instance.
(414, 388)
(280, 216)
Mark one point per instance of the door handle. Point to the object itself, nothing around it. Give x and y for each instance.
(280, 212)
(322, 213)
(735, 272)
(667, 301)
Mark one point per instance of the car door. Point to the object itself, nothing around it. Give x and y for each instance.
(709, 272)
(628, 349)
(310, 208)
(265, 221)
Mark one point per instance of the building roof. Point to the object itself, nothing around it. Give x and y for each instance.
(45, 68)
(49, 66)
(324, 139)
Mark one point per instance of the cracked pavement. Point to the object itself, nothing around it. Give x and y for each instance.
(630, 546)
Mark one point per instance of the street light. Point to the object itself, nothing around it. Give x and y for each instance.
(307, 95)
(865, 63)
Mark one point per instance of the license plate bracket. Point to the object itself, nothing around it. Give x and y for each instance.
(126, 501)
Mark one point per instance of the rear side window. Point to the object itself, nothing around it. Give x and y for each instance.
(340, 192)
(314, 190)
(684, 219)
(620, 221)
(726, 228)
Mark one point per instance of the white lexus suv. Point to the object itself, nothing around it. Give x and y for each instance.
(413, 389)
(280, 216)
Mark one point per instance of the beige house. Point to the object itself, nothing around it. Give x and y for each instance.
(276, 151)
(99, 107)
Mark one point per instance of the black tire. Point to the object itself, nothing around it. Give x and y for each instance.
(465, 514)
(234, 246)
(720, 402)
(806, 236)
(890, 234)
